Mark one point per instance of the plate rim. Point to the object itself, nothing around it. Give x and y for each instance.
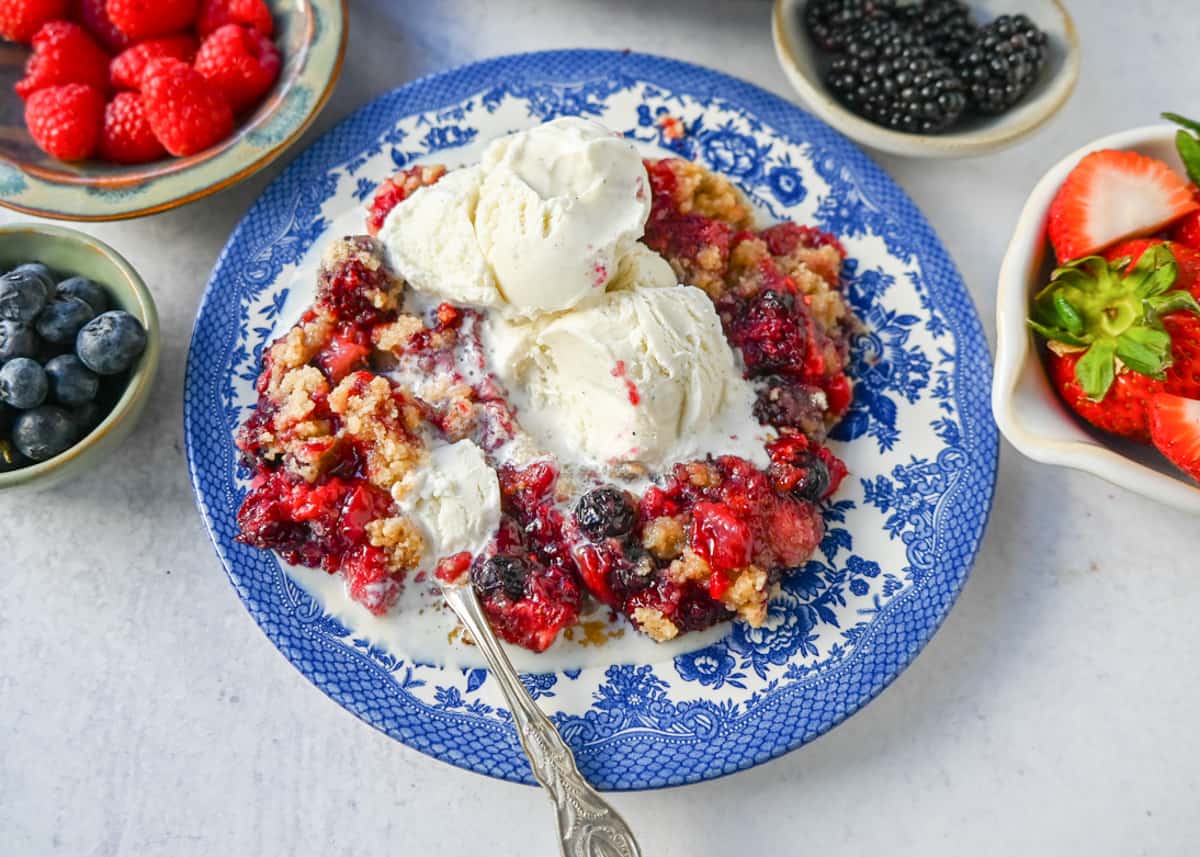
(970, 341)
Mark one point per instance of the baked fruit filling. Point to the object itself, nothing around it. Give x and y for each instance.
(354, 397)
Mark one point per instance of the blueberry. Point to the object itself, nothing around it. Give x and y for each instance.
(22, 295)
(109, 343)
(605, 512)
(87, 416)
(44, 432)
(23, 383)
(84, 289)
(501, 574)
(71, 383)
(62, 319)
(16, 340)
(41, 272)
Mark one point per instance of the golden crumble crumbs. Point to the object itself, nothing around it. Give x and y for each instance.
(394, 337)
(748, 596)
(654, 624)
(297, 347)
(400, 540)
(689, 567)
(371, 414)
(702, 191)
(664, 537)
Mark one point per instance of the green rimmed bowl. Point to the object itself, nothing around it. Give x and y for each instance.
(69, 251)
(311, 35)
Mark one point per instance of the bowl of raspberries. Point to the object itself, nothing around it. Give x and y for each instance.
(929, 78)
(129, 107)
(79, 347)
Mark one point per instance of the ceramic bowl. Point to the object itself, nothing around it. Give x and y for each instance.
(311, 35)
(1027, 409)
(70, 251)
(802, 64)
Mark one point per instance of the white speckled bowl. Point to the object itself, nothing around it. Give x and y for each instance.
(1027, 409)
(801, 63)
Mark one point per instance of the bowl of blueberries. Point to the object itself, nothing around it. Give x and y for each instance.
(79, 346)
(929, 78)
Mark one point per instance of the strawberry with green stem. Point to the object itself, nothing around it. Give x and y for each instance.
(1109, 323)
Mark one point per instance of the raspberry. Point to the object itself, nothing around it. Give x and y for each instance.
(65, 120)
(91, 14)
(186, 112)
(64, 53)
(125, 71)
(127, 137)
(145, 19)
(252, 13)
(20, 19)
(242, 63)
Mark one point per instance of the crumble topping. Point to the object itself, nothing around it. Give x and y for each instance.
(400, 539)
(382, 420)
(664, 537)
(657, 626)
(748, 596)
(701, 191)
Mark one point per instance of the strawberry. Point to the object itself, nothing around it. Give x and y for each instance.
(1123, 409)
(127, 137)
(187, 114)
(146, 19)
(1187, 231)
(1120, 330)
(125, 70)
(241, 62)
(1112, 195)
(1187, 260)
(65, 121)
(63, 53)
(1175, 430)
(20, 19)
(218, 13)
(91, 14)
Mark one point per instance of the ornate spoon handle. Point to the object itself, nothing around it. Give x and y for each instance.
(587, 825)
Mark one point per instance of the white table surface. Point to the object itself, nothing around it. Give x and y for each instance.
(143, 713)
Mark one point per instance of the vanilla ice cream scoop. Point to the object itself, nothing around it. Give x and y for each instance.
(559, 206)
(643, 375)
(540, 225)
(454, 497)
(430, 238)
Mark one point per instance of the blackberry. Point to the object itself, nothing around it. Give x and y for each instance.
(829, 22)
(888, 76)
(605, 512)
(945, 26)
(815, 481)
(1002, 64)
(501, 574)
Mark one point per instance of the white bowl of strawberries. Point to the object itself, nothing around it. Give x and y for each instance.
(1098, 324)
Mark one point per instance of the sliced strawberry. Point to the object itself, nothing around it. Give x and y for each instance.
(1175, 430)
(1112, 195)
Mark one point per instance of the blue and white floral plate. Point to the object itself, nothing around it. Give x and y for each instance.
(919, 439)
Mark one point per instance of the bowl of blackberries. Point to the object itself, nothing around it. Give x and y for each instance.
(78, 353)
(929, 78)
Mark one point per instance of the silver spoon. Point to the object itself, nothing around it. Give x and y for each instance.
(587, 825)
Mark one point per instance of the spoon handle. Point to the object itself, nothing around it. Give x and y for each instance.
(587, 825)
